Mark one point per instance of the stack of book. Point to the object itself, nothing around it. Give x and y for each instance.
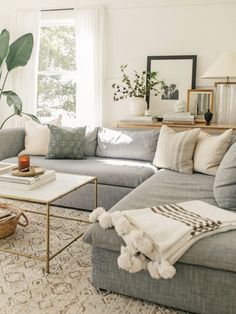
(139, 119)
(26, 183)
(5, 167)
(178, 118)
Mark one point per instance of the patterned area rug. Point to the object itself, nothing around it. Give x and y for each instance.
(25, 288)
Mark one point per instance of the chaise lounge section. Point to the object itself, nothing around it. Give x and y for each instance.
(205, 279)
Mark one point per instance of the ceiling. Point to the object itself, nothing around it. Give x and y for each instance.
(154, 3)
(12, 5)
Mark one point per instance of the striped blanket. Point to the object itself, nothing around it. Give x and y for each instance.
(158, 236)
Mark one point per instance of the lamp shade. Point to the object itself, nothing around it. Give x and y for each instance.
(223, 67)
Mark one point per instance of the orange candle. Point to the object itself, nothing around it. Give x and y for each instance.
(23, 163)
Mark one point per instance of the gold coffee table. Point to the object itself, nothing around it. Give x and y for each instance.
(46, 195)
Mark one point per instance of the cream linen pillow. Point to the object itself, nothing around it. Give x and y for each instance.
(37, 137)
(210, 150)
(175, 150)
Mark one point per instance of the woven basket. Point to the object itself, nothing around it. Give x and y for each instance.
(8, 225)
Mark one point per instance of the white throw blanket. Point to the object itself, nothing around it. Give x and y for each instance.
(157, 237)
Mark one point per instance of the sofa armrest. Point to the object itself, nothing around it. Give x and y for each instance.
(12, 141)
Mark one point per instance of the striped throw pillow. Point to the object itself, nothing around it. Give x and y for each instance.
(175, 149)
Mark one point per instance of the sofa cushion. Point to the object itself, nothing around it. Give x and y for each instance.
(167, 187)
(11, 142)
(140, 145)
(175, 150)
(117, 172)
(37, 136)
(90, 141)
(225, 181)
(66, 143)
(210, 150)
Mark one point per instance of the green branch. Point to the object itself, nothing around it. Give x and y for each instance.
(14, 114)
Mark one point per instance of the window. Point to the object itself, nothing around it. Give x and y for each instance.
(57, 71)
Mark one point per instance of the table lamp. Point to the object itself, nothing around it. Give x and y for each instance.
(224, 68)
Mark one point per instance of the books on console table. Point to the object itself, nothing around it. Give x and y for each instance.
(26, 183)
(178, 118)
(139, 119)
(178, 122)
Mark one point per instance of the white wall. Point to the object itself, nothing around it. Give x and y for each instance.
(171, 27)
(134, 34)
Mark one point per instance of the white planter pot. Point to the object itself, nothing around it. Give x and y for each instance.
(137, 106)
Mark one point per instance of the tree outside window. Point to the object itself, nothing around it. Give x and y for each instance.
(57, 73)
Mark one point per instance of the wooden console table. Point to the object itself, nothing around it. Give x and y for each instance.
(213, 128)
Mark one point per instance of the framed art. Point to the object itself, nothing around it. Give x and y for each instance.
(199, 101)
(179, 75)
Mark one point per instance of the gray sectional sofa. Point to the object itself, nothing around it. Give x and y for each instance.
(205, 281)
(117, 176)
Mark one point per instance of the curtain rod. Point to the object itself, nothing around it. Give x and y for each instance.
(52, 10)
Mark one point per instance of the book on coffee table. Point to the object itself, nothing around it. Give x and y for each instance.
(26, 183)
(9, 177)
(6, 167)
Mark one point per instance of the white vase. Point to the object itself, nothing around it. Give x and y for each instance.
(137, 106)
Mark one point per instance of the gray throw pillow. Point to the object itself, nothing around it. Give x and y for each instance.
(140, 145)
(225, 181)
(66, 143)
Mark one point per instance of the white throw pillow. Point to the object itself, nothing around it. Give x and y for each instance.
(175, 149)
(210, 150)
(37, 137)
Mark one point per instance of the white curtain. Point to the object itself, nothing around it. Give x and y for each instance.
(89, 55)
(24, 79)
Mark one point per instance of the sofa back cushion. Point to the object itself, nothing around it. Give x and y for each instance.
(11, 142)
(225, 180)
(175, 150)
(139, 145)
(90, 141)
(210, 150)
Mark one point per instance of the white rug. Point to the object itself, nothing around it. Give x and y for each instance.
(24, 288)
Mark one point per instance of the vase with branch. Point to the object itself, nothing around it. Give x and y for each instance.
(137, 89)
(13, 56)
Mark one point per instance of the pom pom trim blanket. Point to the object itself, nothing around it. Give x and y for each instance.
(158, 236)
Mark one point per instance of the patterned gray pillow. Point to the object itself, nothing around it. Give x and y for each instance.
(66, 143)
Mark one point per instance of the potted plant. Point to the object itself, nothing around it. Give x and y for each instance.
(13, 56)
(137, 89)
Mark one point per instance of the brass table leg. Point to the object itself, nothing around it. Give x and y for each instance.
(47, 258)
(48, 239)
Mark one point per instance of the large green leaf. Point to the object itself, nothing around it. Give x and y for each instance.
(13, 100)
(4, 45)
(20, 52)
(33, 117)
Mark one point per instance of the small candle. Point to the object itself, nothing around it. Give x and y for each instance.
(23, 163)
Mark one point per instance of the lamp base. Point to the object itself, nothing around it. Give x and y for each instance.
(226, 103)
